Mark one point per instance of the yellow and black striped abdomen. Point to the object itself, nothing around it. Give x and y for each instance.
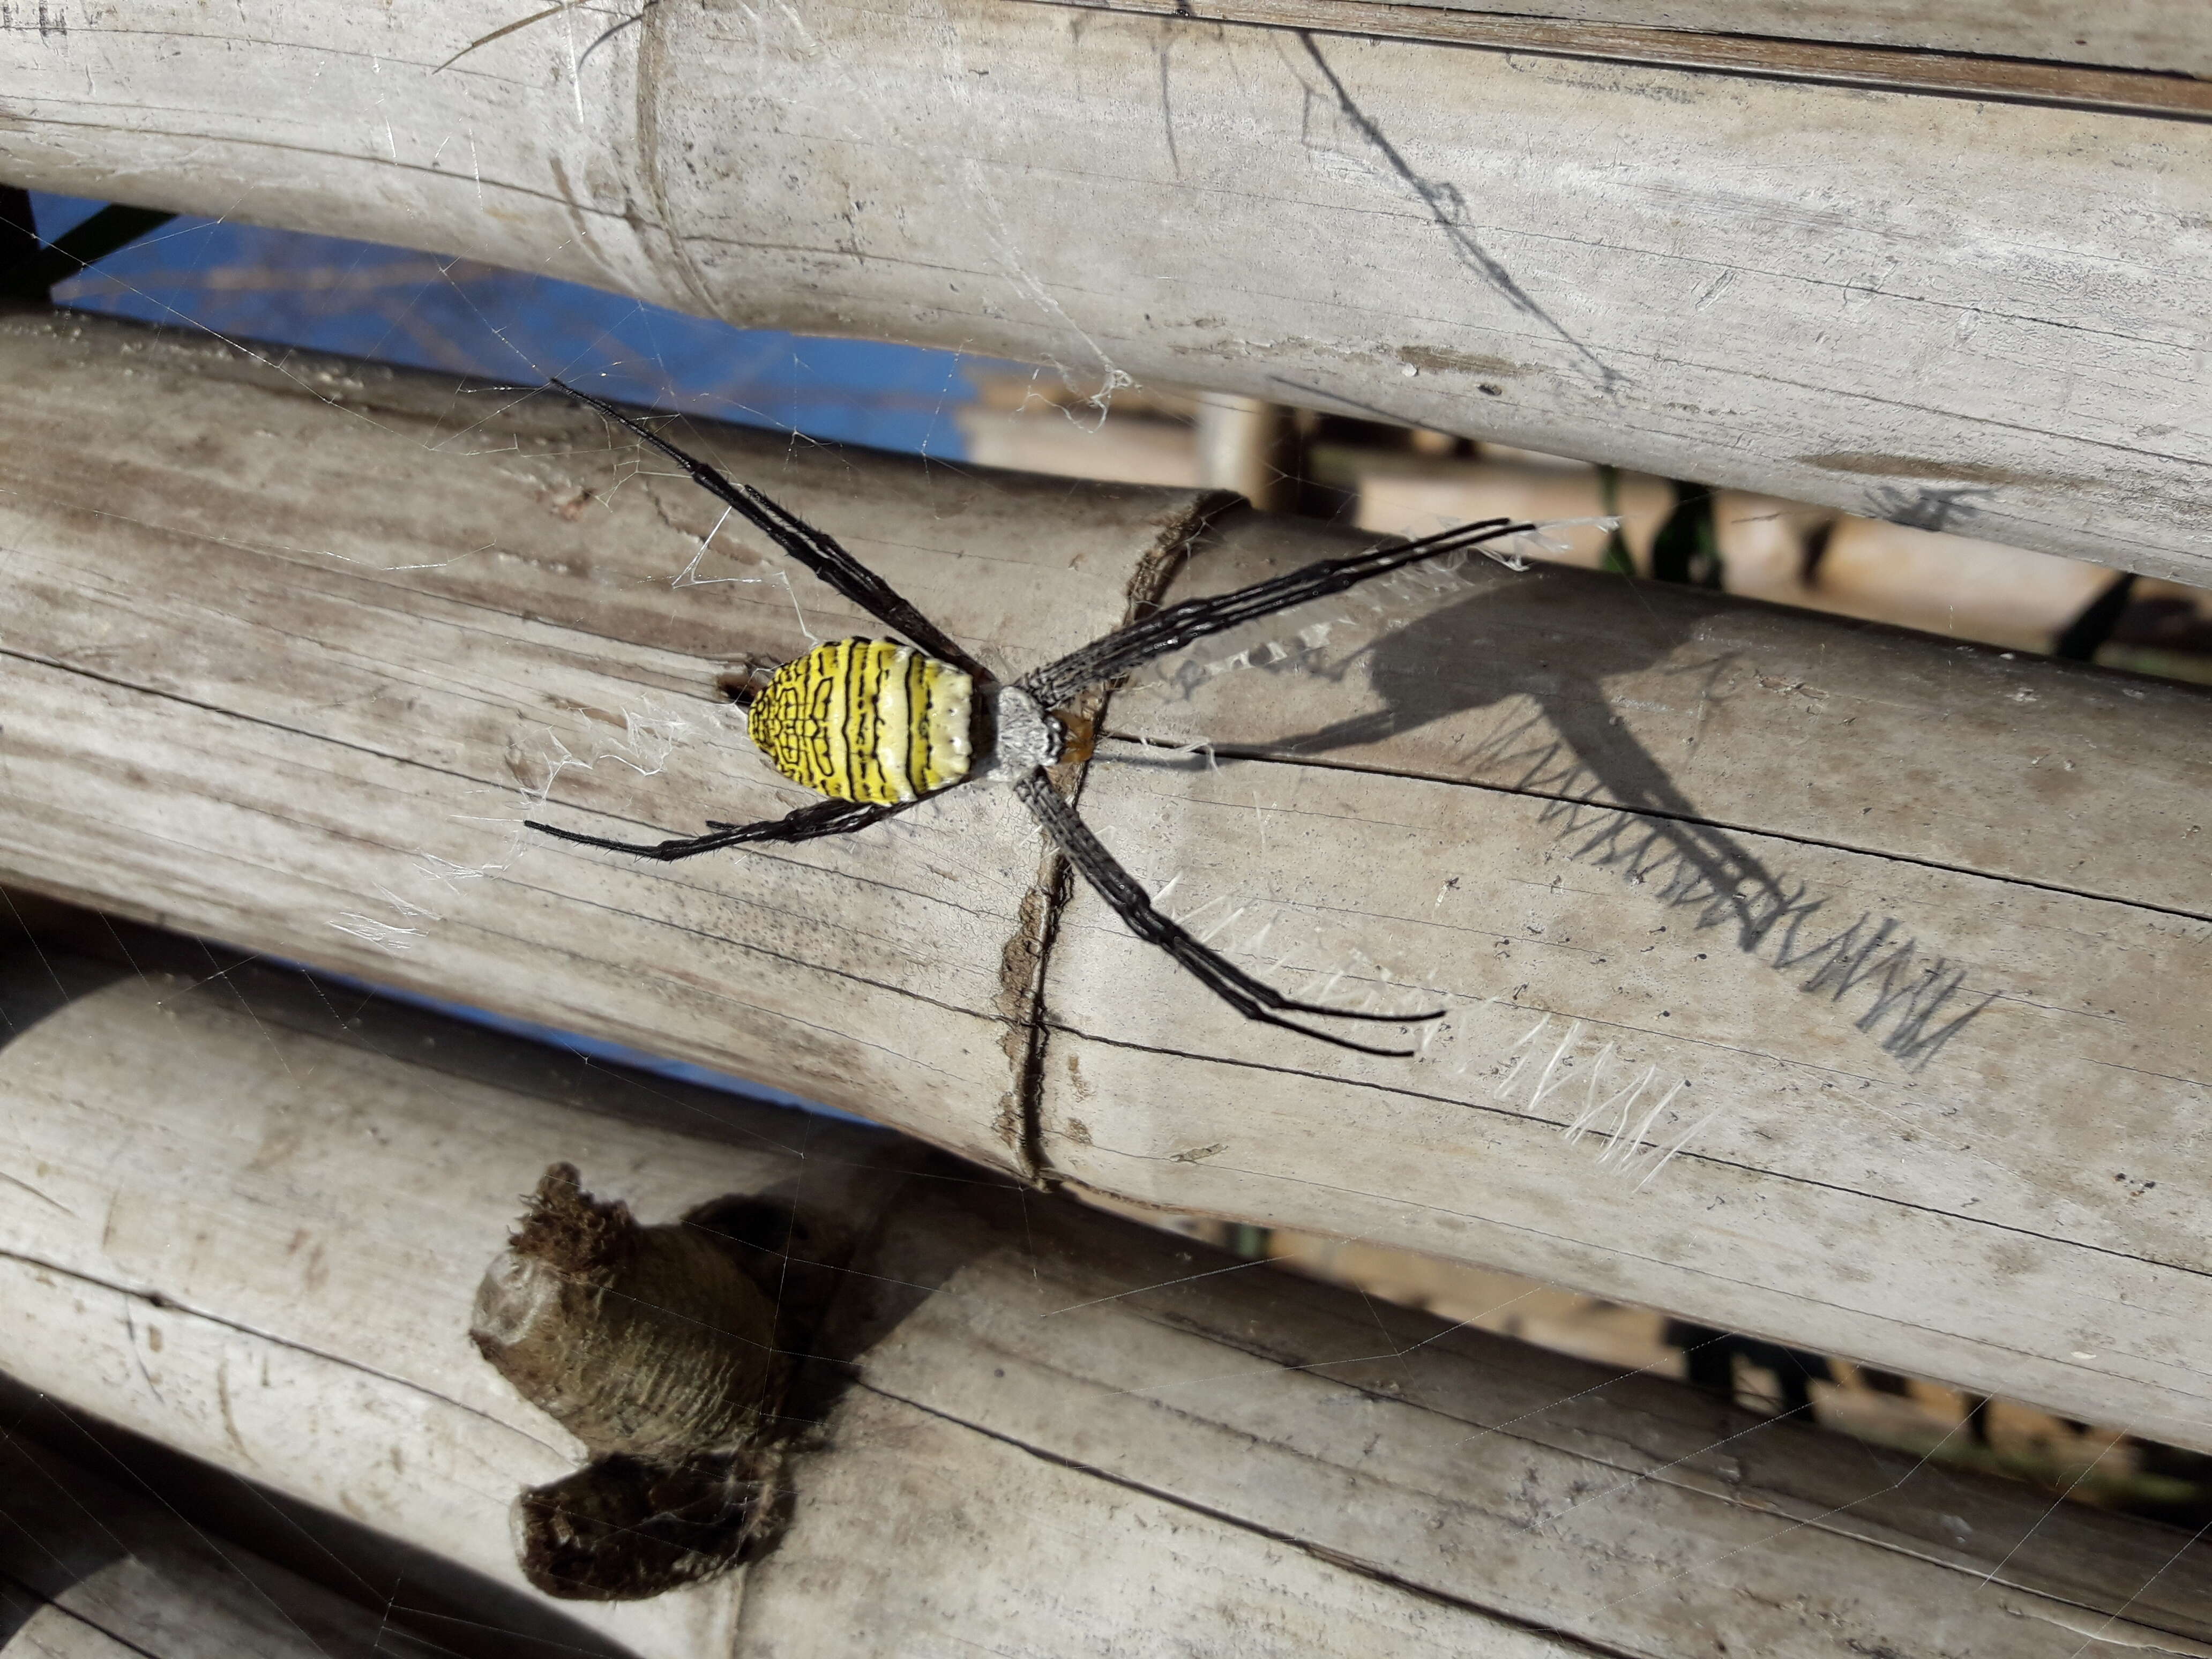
(866, 720)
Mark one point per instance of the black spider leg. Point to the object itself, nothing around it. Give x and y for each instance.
(816, 550)
(1252, 997)
(1179, 625)
(809, 823)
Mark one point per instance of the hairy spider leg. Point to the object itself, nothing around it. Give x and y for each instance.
(809, 823)
(1171, 629)
(815, 549)
(1127, 898)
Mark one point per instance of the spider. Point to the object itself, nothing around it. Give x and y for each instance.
(877, 726)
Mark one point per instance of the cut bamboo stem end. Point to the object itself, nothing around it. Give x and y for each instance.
(644, 1341)
(653, 1347)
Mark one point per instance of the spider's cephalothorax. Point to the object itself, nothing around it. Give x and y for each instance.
(866, 720)
(875, 725)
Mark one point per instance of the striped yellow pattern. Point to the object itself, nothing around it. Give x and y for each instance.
(866, 720)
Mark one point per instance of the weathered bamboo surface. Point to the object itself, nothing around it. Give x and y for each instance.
(380, 531)
(2154, 52)
(1975, 302)
(1920, 930)
(249, 1283)
(2144, 34)
(247, 1216)
(89, 1568)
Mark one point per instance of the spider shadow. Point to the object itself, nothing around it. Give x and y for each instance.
(1531, 636)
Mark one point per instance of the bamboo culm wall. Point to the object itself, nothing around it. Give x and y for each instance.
(1806, 977)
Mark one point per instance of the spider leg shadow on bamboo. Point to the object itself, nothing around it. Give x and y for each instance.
(1615, 805)
(1486, 650)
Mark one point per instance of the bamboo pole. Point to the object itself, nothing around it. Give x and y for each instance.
(1915, 270)
(261, 1208)
(1832, 982)
(88, 1567)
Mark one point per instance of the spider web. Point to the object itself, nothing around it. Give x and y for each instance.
(245, 283)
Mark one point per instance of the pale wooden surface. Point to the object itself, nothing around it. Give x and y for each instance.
(1939, 306)
(1981, 52)
(85, 1562)
(1543, 793)
(1545, 812)
(271, 1269)
(2152, 34)
(517, 589)
(261, 1212)
(1936, 581)
(51, 1635)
